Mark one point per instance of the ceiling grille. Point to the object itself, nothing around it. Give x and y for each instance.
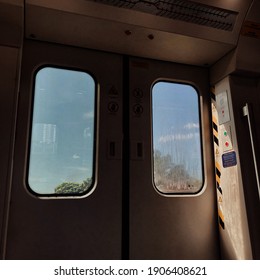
(187, 11)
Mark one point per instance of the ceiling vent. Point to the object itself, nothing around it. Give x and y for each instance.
(187, 11)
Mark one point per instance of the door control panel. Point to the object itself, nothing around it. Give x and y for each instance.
(226, 137)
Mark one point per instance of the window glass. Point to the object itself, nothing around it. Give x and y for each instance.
(177, 155)
(63, 129)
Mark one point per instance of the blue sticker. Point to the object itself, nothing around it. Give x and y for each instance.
(229, 159)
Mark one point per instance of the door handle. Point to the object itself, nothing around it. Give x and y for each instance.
(248, 112)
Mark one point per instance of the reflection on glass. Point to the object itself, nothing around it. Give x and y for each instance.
(62, 139)
(176, 138)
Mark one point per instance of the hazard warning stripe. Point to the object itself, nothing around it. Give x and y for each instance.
(219, 188)
(217, 165)
(221, 218)
(218, 172)
(217, 179)
(215, 121)
(215, 127)
(215, 130)
(218, 175)
(221, 222)
(215, 133)
(216, 140)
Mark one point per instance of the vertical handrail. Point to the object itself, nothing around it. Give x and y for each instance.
(247, 112)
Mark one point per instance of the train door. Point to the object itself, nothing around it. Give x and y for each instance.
(150, 191)
(172, 192)
(69, 131)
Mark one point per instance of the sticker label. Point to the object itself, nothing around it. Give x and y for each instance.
(222, 107)
(229, 159)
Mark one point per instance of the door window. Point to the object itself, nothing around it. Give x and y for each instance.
(177, 153)
(61, 159)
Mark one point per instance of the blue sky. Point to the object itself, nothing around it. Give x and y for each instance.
(176, 128)
(64, 106)
(63, 127)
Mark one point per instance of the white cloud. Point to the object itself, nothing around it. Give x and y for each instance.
(75, 156)
(88, 115)
(191, 125)
(177, 137)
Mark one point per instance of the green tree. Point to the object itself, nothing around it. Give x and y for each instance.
(161, 163)
(170, 177)
(73, 188)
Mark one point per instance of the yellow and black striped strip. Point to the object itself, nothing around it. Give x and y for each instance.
(217, 165)
(215, 130)
(221, 219)
(218, 175)
(215, 127)
(216, 140)
(219, 188)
